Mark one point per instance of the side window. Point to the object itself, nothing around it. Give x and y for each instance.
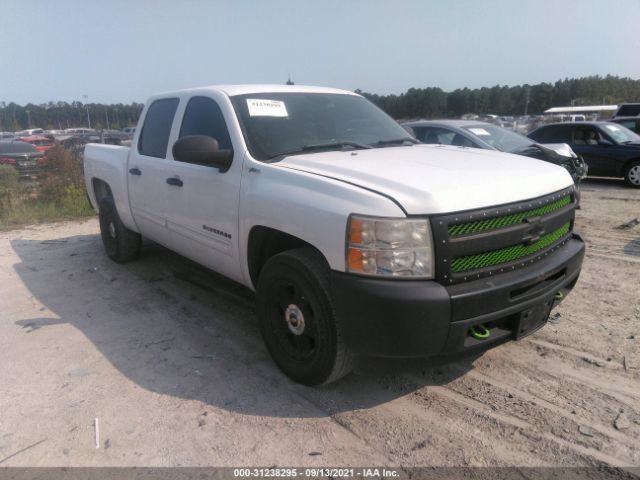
(586, 136)
(628, 110)
(204, 117)
(554, 134)
(460, 141)
(424, 134)
(154, 137)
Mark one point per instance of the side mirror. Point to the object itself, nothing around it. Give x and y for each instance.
(605, 143)
(202, 150)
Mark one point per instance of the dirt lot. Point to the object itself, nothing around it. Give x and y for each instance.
(168, 357)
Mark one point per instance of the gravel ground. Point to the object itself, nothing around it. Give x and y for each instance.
(169, 358)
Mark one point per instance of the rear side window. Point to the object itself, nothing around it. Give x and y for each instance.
(434, 135)
(204, 117)
(154, 137)
(629, 110)
(553, 134)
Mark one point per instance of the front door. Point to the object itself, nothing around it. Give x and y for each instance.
(587, 141)
(202, 204)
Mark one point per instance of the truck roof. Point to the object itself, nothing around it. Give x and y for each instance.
(232, 90)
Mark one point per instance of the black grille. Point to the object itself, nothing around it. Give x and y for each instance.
(480, 243)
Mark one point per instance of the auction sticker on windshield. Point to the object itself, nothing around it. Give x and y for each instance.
(479, 131)
(259, 107)
(613, 128)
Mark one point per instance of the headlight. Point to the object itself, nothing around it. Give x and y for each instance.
(389, 247)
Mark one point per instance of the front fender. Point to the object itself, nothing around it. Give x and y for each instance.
(310, 207)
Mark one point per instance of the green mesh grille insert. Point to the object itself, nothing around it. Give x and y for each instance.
(507, 220)
(507, 254)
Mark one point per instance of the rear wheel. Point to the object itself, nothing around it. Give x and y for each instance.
(297, 318)
(632, 174)
(121, 244)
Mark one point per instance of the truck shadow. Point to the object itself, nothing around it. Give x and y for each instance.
(175, 328)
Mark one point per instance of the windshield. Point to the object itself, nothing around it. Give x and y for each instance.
(621, 134)
(17, 147)
(500, 138)
(275, 124)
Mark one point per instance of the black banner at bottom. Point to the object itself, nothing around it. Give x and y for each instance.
(397, 473)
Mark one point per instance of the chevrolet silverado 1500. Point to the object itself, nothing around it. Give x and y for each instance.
(357, 240)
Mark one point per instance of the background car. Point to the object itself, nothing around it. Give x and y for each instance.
(609, 149)
(474, 134)
(129, 131)
(31, 131)
(627, 110)
(632, 123)
(23, 156)
(41, 142)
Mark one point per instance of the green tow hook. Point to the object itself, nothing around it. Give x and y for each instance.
(480, 332)
(559, 296)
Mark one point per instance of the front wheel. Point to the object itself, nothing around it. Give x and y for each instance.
(297, 318)
(632, 174)
(121, 244)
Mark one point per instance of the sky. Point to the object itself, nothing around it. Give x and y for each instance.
(125, 50)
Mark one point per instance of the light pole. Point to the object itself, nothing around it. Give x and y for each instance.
(28, 118)
(87, 105)
(106, 114)
(117, 119)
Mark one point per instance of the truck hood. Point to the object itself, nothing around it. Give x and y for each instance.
(431, 179)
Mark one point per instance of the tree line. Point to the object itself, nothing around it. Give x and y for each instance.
(429, 102)
(62, 115)
(433, 102)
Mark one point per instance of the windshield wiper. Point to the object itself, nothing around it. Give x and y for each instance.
(394, 141)
(321, 146)
(346, 143)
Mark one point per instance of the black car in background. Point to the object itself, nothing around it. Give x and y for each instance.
(22, 156)
(627, 110)
(475, 134)
(632, 123)
(609, 149)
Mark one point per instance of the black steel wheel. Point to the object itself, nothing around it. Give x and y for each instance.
(297, 318)
(121, 244)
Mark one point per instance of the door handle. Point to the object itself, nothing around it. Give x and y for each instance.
(135, 171)
(176, 182)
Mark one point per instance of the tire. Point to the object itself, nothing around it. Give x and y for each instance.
(121, 244)
(297, 318)
(632, 174)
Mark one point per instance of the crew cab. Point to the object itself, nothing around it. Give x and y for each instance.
(357, 240)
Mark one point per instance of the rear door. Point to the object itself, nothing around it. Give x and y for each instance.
(149, 167)
(202, 206)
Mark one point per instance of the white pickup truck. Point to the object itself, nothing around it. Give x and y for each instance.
(357, 240)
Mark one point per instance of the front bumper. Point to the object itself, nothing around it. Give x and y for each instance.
(409, 318)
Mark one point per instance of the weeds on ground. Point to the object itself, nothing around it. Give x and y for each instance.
(58, 194)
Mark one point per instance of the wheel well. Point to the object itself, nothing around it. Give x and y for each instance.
(101, 190)
(628, 165)
(264, 243)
